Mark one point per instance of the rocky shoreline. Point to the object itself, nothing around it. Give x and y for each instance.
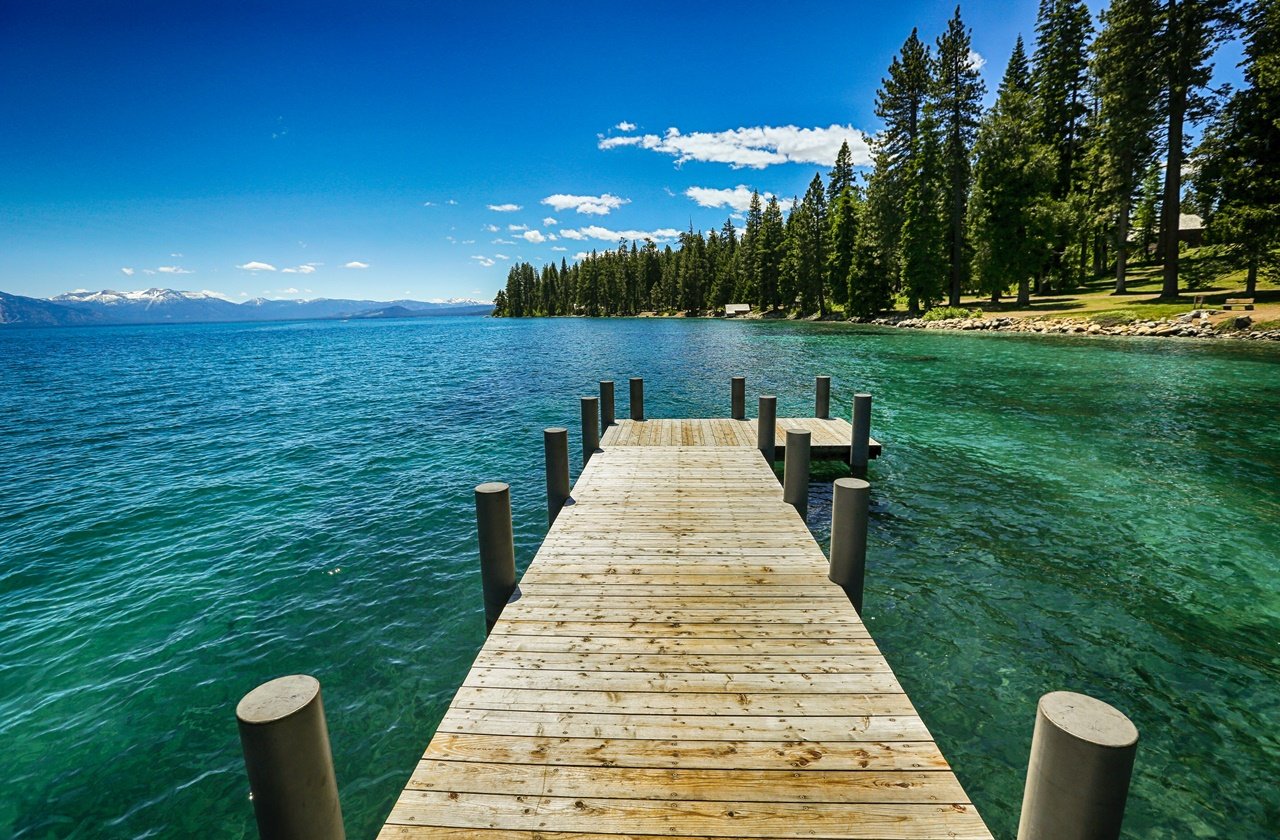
(1196, 324)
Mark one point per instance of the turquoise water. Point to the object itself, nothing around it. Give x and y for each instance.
(188, 511)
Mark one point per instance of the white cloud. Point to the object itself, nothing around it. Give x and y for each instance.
(451, 202)
(501, 257)
(429, 204)
(558, 248)
(244, 294)
(534, 236)
(306, 268)
(214, 294)
(755, 147)
(580, 256)
(289, 291)
(548, 222)
(739, 198)
(501, 241)
(491, 228)
(625, 126)
(505, 208)
(606, 235)
(484, 261)
(176, 256)
(593, 205)
(468, 242)
(356, 264)
(148, 271)
(127, 272)
(976, 61)
(172, 269)
(257, 266)
(517, 228)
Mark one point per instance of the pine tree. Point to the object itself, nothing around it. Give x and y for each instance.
(845, 214)
(900, 103)
(1238, 171)
(812, 236)
(1190, 33)
(1124, 54)
(1059, 78)
(769, 251)
(956, 105)
(840, 178)
(924, 265)
(1011, 208)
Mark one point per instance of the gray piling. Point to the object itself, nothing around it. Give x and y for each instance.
(286, 753)
(590, 428)
(795, 470)
(850, 501)
(767, 428)
(555, 446)
(822, 398)
(738, 398)
(497, 548)
(860, 445)
(1082, 754)
(606, 405)
(637, 398)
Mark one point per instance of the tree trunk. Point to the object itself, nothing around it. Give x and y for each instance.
(1024, 291)
(1122, 244)
(1251, 279)
(1170, 210)
(957, 243)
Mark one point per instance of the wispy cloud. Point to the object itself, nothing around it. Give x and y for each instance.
(501, 241)
(172, 269)
(305, 268)
(491, 228)
(501, 257)
(126, 271)
(505, 208)
(592, 205)
(625, 126)
(558, 248)
(484, 261)
(976, 61)
(548, 222)
(739, 198)
(254, 265)
(517, 228)
(356, 264)
(753, 147)
(607, 235)
(580, 256)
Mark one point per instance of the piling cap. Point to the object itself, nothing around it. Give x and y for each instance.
(277, 699)
(492, 487)
(799, 433)
(555, 430)
(1088, 719)
(852, 483)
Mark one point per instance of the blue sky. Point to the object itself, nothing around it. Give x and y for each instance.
(328, 149)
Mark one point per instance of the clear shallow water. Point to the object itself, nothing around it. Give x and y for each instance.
(188, 511)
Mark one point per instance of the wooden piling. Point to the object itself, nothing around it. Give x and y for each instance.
(606, 405)
(590, 427)
(637, 398)
(1082, 753)
(287, 756)
(850, 502)
(861, 441)
(738, 398)
(795, 471)
(767, 427)
(822, 398)
(555, 446)
(497, 548)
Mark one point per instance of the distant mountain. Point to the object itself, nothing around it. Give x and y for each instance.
(167, 306)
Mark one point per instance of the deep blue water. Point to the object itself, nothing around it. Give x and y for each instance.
(187, 511)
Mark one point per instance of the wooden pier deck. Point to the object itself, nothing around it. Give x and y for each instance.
(829, 439)
(678, 665)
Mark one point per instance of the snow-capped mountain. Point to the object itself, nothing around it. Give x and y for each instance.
(170, 306)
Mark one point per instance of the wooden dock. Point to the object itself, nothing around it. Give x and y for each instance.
(676, 664)
(830, 438)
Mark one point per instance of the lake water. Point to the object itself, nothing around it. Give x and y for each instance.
(188, 511)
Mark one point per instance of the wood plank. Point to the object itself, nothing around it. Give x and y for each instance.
(875, 682)
(718, 702)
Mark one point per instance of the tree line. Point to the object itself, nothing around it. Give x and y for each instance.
(1079, 161)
